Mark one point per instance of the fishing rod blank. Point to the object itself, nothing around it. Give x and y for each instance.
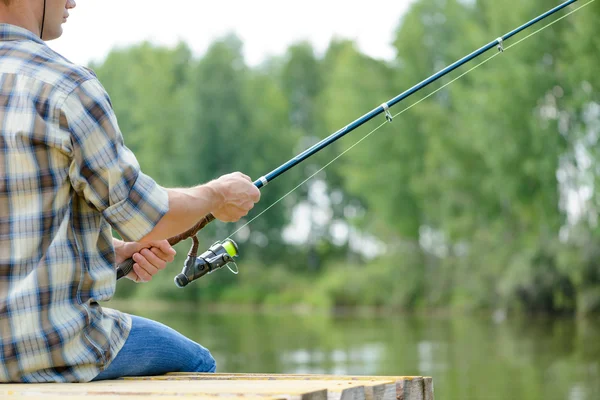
(384, 108)
(222, 253)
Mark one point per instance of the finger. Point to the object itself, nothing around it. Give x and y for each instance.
(164, 246)
(239, 216)
(143, 276)
(162, 255)
(141, 259)
(153, 259)
(234, 215)
(226, 218)
(255, 195)
(249, 205)
(245, 176)
(133, 275)
(238, 212)
(230, 213)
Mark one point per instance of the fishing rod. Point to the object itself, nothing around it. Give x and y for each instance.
(222, 253)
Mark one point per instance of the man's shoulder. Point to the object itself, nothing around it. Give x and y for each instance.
(40, 62)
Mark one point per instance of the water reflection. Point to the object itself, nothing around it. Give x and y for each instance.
(469, 358)
(353, 362)
(431, 355)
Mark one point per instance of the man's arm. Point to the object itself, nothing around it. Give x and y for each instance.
(186, 208)
(107, 175)
(228, 198)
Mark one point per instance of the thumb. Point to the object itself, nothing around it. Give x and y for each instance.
(133, 247)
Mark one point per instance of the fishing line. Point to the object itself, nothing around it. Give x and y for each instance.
(223, 253)
(406, 109)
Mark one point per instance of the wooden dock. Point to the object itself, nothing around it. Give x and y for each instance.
(232, 386)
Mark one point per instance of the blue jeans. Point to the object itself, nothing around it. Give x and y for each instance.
(155, 349)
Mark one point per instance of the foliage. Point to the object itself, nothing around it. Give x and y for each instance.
(484, 196)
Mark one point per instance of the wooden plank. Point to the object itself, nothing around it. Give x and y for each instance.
(381, 388)
(141, 389)
(263, 386)
(428, 388)
(409, 393)
(410, 389)
(334, 389)
(380, 392)
(303, 390)
(36, 395)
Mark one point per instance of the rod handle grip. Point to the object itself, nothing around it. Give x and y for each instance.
(125, 268)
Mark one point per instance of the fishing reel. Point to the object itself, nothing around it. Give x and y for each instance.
(219, 255)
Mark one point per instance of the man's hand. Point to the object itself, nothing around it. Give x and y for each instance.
(228, 198)
(149, 257)
(237, 196)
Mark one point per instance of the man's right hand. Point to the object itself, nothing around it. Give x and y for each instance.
(228, 198)
(237, 195)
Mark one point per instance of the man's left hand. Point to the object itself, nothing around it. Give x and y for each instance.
(149, 258)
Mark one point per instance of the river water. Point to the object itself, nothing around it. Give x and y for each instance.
(468, 357)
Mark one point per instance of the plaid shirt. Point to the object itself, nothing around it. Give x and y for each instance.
(66, 178)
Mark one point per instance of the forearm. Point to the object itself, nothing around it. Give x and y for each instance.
(186, 208)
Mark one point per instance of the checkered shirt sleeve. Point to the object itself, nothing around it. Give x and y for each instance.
(104, 171)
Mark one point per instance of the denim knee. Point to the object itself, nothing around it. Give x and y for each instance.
(204, 361)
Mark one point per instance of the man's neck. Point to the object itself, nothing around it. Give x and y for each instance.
(19, 14)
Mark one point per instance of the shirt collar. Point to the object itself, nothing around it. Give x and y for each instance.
(12, 32)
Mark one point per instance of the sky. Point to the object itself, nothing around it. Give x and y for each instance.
(266, 27)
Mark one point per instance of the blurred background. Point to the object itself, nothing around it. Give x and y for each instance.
(460, 241)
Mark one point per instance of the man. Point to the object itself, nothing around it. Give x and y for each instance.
(66, 179)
